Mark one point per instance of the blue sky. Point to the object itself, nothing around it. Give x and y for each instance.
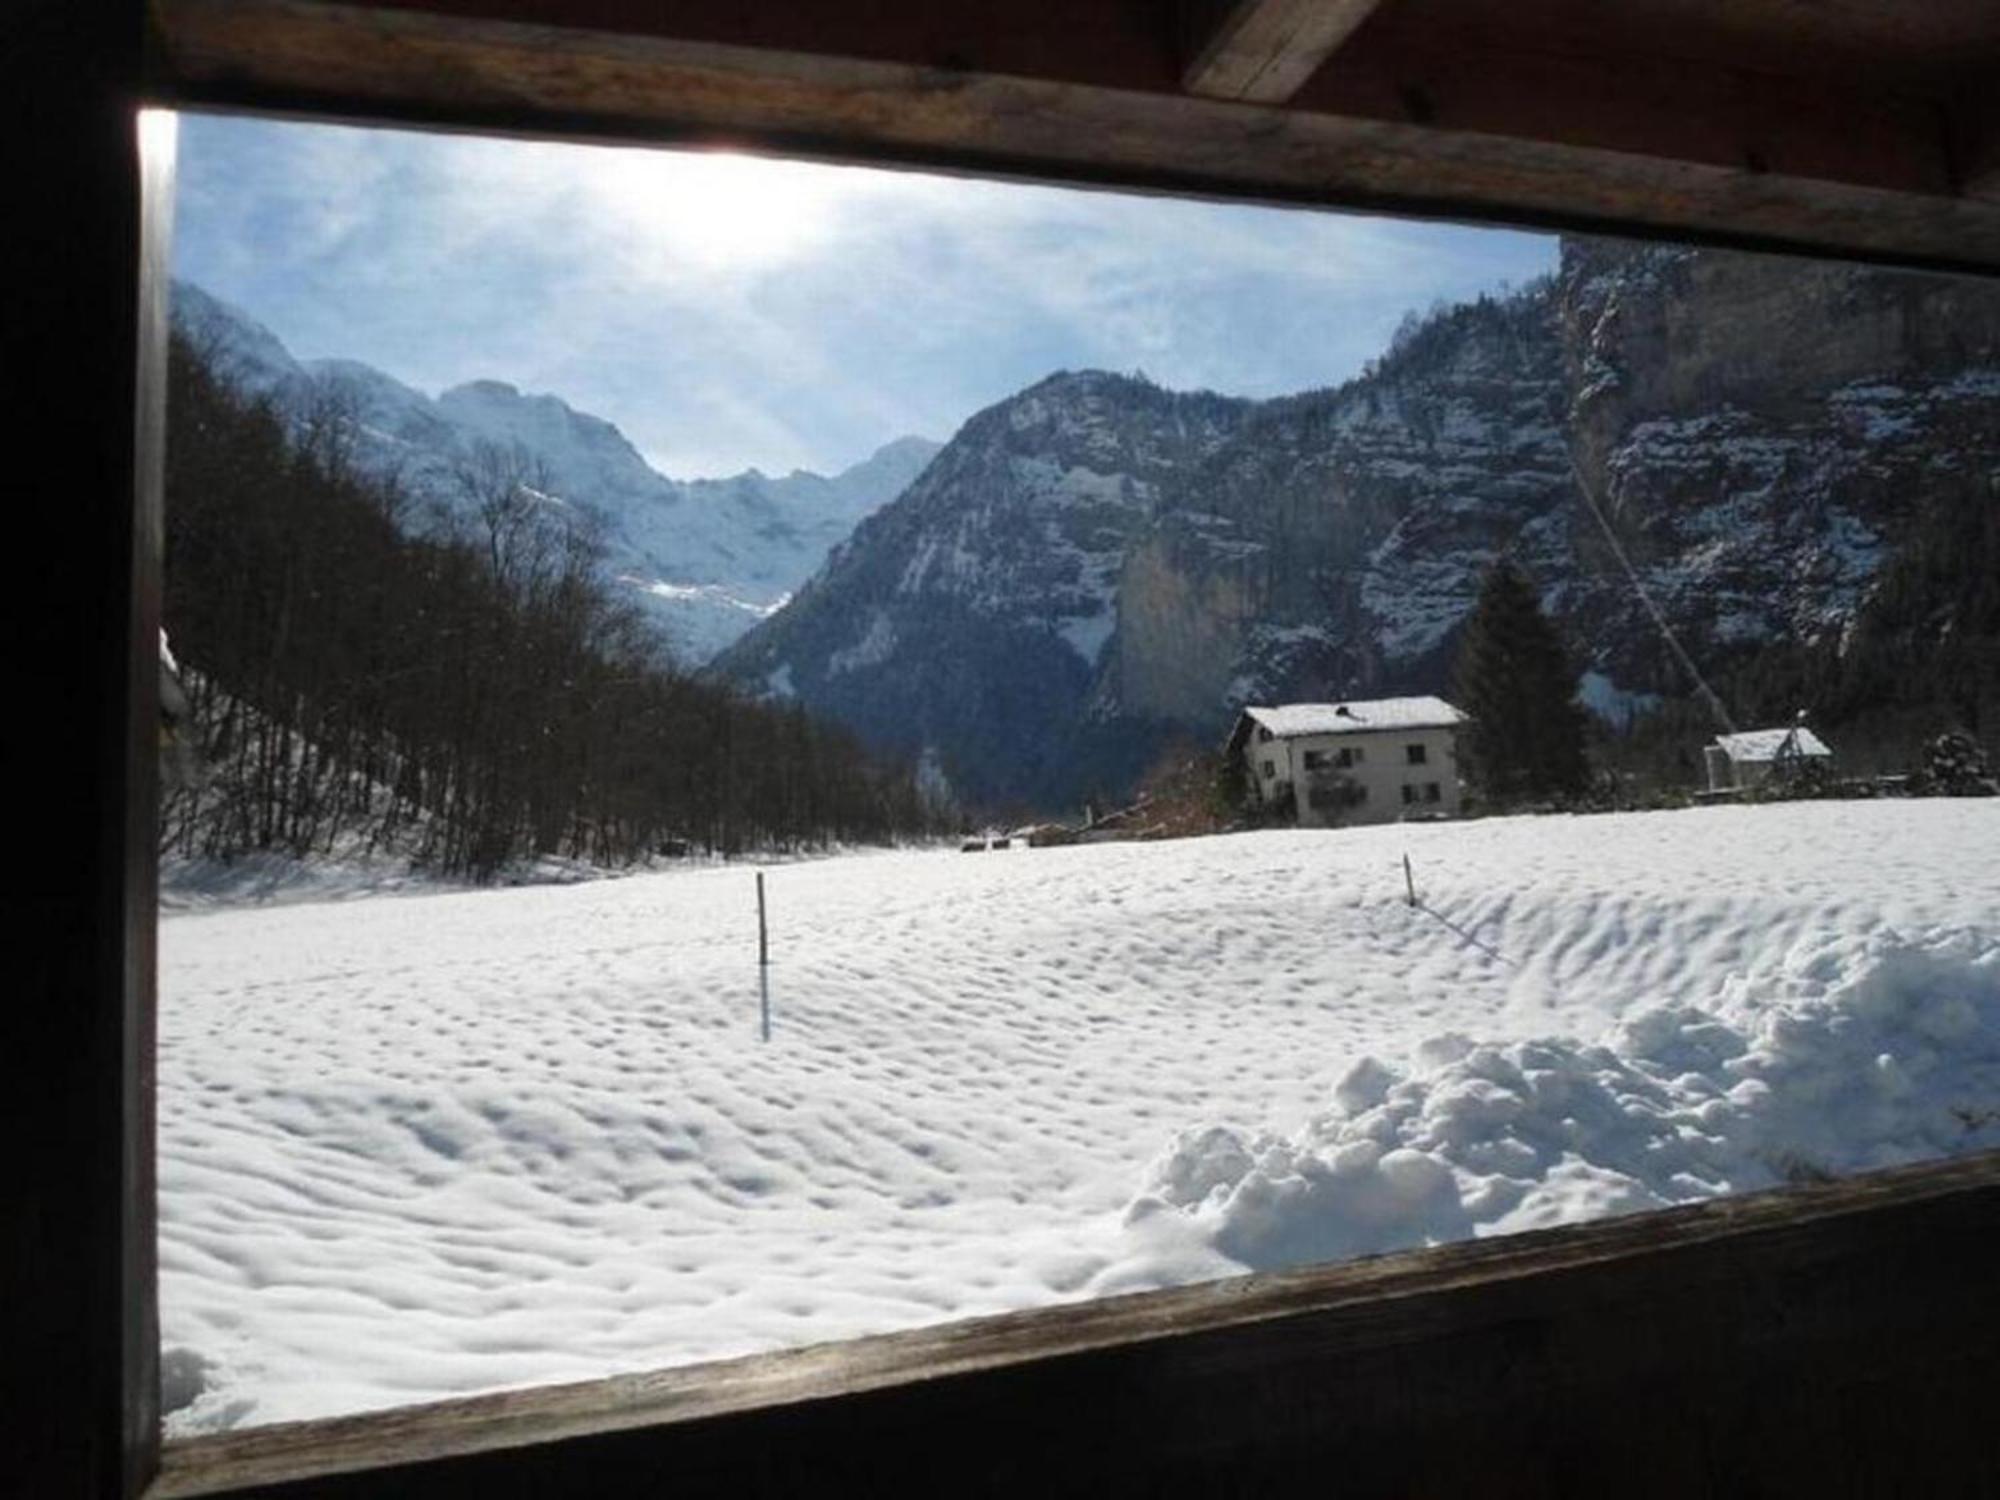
(726, 311)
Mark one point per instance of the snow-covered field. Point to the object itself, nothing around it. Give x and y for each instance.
(432, 1145)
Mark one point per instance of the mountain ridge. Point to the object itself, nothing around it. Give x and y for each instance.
(1094, 566)
(707, 558)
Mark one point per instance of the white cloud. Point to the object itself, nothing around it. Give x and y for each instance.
(726, 310)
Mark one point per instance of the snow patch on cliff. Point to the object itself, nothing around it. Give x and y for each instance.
(874, 647)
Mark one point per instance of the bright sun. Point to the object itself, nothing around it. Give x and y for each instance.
(718, 210)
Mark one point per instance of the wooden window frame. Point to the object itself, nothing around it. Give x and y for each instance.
(1778, 1341)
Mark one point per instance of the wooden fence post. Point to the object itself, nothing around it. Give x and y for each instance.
(763, 961)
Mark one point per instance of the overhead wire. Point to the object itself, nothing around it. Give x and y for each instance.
(1708, 694)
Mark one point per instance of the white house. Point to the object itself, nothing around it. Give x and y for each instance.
(1737, 761)
(1360, 762)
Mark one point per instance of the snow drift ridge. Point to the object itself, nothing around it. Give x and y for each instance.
(1876, 1051)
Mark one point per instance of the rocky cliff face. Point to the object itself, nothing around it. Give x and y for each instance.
(1097, 565)
(1759, 433)
(1331, 547)
(975, 615)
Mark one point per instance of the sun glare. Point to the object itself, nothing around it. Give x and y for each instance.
(159, 133)
(720, 210)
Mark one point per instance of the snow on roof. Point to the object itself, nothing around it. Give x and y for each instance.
(1290, 720)
(1769, 744)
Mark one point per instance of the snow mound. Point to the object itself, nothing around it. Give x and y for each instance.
(1870, 1051)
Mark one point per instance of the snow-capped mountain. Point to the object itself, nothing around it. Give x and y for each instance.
(709, 557)
(1095, 565)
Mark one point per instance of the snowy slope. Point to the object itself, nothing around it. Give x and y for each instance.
(422, 1146)
(709, 557)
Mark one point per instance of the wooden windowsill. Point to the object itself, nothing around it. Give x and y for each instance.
(1336, 1309)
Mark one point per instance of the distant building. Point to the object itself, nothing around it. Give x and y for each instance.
(1377, 761)
(1737, 762)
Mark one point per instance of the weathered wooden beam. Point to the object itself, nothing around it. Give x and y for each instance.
(421, 67)
(1803, 128)
(1975, 125)
(1263, 51)
(1841, 92)
(1766, 1344)
(85, 335)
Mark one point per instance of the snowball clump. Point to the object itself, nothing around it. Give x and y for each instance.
(1874, 1051)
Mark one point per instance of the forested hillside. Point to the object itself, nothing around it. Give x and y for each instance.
(468, 691)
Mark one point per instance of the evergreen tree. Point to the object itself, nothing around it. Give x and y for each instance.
(1516, 681)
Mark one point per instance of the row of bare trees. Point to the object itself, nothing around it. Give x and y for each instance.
(457, 683)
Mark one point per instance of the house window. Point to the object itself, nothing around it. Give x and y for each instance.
(1336, 796)
(1270, 770)
(1263, 735)
(1419, 754)
(1350, 755)
(1431, 792)
(1317, 760)
(1409, 793)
